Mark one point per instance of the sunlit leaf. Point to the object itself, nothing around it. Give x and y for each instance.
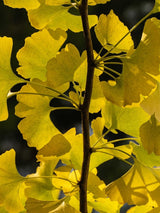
(56, 147)
(110, 30)
(36, 125)
(37, 51)
(97, 98)
(150, 135)
(136, 80)
(12, 186)
(152, 104)
(139, 185)
(66, 179)
(156, 7)
(36, 206)
(124, 118)
(104, 205)
(28, 4)
(62, 68)
(146, 159)
(7, 78)
(39, 184)
(57, 17)
(75, 155)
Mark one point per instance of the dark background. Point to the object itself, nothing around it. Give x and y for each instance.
(14, 23)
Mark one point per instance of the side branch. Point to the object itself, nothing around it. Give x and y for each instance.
(85, 107)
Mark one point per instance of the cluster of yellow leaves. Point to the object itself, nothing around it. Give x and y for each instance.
(50, 68)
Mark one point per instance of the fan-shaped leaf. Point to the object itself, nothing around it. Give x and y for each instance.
(37, 51)
(12, 186)
(124, 119)
(36, 125)
(136, 77)
(110, 30)
(7, 78)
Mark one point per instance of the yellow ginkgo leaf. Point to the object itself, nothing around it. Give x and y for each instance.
(12, 186)
(123, 118)
(144, 208)
(104, 205)
(152, 104)
(62, 68)
(48, 14)
(150, 135)
(7, 78)
(56, 147)
(39, 185)
(37, 51)
(36, 126)
(110, 30)
(138, 186)
(136, 80)
(156, 7)
(38, 206)
(27, 4)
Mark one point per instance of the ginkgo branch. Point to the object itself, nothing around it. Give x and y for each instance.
(83, 8)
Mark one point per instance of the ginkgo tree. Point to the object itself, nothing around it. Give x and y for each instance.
(129, 102)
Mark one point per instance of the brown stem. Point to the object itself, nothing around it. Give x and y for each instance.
(85, 107)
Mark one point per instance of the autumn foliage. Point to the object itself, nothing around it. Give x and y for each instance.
(129, 102)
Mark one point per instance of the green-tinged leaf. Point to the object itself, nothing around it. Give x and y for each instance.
(57, 17)
(138, 186)
(110, 30)
(152, 104)
(7, 78)
(56, 147)
(12, 186)
(150, 160)
(124, 118)
(36, 125)
(27, 4)
(150, 135)
(37, 51)
(62, 68)
(39, 185)
(38, 206)
(104, 205)
(136, 80)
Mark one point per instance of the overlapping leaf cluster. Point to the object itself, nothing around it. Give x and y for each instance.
(129, 103)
